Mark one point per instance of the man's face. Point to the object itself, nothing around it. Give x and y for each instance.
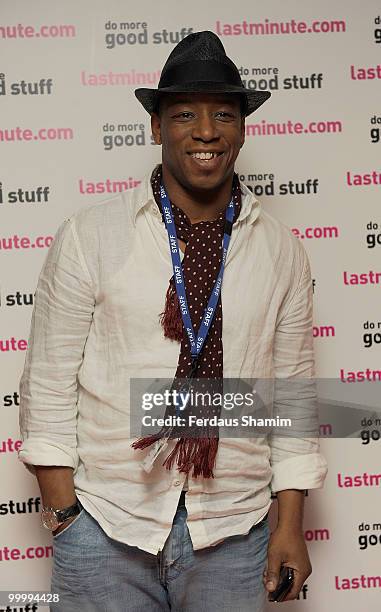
(201, 136)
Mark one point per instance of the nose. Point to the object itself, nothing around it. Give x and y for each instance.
(205, 128)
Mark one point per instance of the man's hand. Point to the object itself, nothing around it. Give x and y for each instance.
(287, 547)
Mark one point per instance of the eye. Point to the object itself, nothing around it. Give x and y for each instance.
(225, 115)
(183, 115)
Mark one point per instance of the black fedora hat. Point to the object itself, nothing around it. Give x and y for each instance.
(197, 64)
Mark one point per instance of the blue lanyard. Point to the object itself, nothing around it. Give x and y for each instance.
(196, 344)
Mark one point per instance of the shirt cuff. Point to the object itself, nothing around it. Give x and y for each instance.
(38, 452)
(302, 472)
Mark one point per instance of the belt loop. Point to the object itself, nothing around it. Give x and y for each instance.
(160, 561)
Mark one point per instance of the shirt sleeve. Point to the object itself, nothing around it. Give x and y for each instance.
(61, 319)
(295, 458)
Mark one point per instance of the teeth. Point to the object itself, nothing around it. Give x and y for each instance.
(204, 155)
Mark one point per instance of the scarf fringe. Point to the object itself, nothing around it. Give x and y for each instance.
(199, 453)
(171, 319)
(142, 443)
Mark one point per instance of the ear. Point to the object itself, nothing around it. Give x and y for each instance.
(156, 128)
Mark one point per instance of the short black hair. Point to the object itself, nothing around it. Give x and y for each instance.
(243, 103)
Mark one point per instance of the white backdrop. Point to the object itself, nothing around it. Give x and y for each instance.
(72, 133)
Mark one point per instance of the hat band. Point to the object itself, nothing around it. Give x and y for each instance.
(204, 70)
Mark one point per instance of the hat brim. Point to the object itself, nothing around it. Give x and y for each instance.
(148, 97)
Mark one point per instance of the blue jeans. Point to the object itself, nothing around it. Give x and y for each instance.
(94, 573)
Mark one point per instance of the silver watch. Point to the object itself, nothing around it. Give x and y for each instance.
(52, 518)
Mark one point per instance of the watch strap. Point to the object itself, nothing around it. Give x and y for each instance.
(66, 513)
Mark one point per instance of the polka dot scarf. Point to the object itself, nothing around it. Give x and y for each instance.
(197, 449)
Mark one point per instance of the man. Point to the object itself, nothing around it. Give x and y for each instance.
(171, 521)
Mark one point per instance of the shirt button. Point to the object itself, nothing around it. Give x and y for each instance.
(177, 483)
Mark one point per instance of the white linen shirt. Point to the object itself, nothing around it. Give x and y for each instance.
(95, 326)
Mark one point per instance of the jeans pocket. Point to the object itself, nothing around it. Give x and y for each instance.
(69, 526)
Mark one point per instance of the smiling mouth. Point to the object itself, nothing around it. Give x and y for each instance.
(205, 155)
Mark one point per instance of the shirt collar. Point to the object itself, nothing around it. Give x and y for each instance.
(143, 198)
